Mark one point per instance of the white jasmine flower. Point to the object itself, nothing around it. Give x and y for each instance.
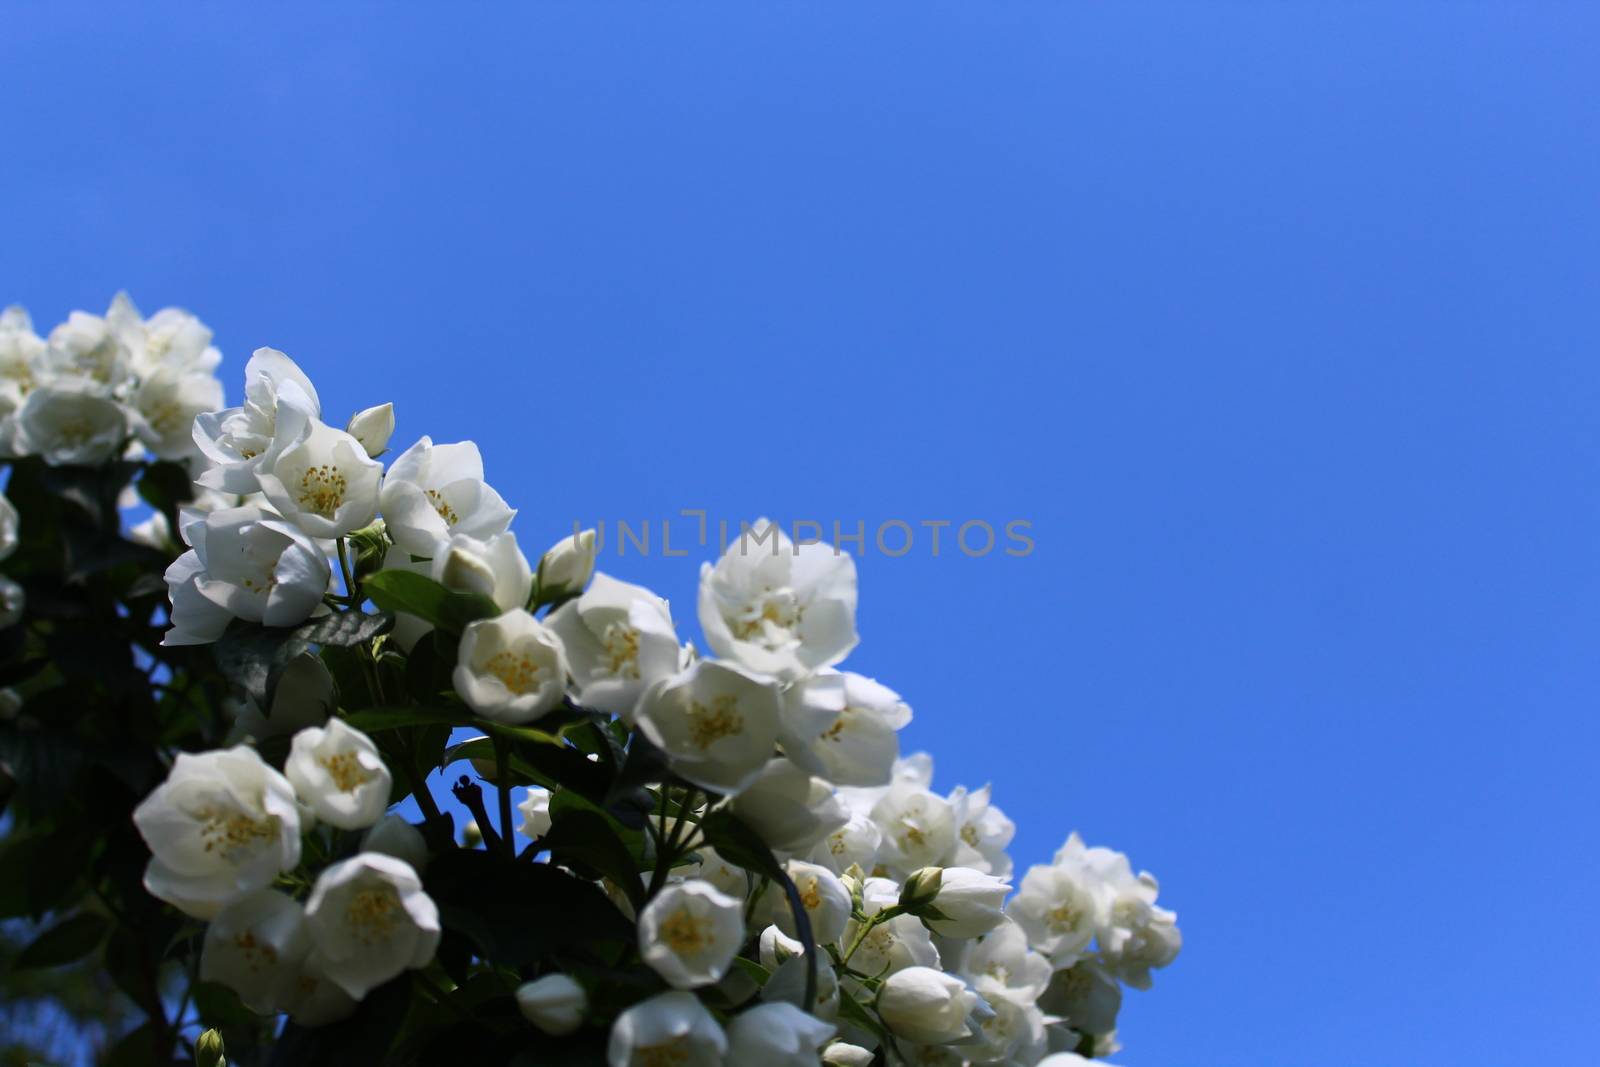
(930, 1007)
(494, 567)
(776, 1035)
(171, 338)
(982, 832)
(919, 828)
(1134, 936)
(788, 984)
(668, 1029)
(893, 945)
(689, 933)
(69, 424)
(789, 808)
(244, 563)
(13, 602)
(373, 427)
(619, 639)
(971, 902)
(239, 441)
(222, 825)
(555, 1004)
(337, 772)
(1060, 906)
(777, 608)
(716, 723)
(256, 946)
(843, 727)
(21, 350)
(1010, 1033)
(856, 842)
(1071, 1059)
(324, 482)
(433, 491)
(511, 669)
(727, 877)
(535, 810)
(85, 348)
(568, 566)
(1086, 995)
(1002, 965)
(824, 897)
(316, 1000)
(394, 836)
(164, 407)
(370, 920)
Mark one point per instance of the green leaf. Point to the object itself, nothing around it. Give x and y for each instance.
(346, 628)
(66, 941)
(252, 656)
(365, 1037)
(375, 720)
(585, 841)
(165, 486)
(516, 912)
(414, 594)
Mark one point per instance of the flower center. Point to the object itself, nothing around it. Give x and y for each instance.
(622, 650)
(346, 771)
(256, 954)
(322, 489)
(233, 835)
(516, 672)
(1064, 919)
(442, 506)
(811, 895)
(373, 914)
(664, 1055)
(969, 834)
(721, 719)
(684, 933)
(770, 619)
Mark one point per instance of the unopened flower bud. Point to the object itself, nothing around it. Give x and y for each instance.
(554, 1003)
(208, 1050)
(370, 545)
(844, 1054)
(466, 570)
(373, 428)
(567, 568)
(921, 889)
(471, 836)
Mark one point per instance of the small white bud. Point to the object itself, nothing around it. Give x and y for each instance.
(554, 1003)
(567, 568)
(373, 428)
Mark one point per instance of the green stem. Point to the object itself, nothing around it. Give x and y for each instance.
(502, 760)
(348, 575)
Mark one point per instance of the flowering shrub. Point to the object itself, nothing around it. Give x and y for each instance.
(716, 858)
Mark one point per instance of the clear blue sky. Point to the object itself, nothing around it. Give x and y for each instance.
(1279, 322)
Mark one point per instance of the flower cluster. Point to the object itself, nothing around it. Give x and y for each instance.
(794, 891)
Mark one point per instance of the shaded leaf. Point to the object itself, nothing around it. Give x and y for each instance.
(66, 941)
(414, 594)
(346, 628)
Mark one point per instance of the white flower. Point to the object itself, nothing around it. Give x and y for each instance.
(568, 566)
(1010, 1033)
(929, 1007)
(87, 349)
(844, 1054)
(729, 878)
(1087, 995)
(303, 697)
(1134, 935)
(716, 723)
(496, 568)
(776, 1035)
(856, 842)
(776, 608)
(394, 836)
(919, 828)
(1060, 906)
(554, 1003)
(511, 668)
(20, 350)
(970, 901)
(619, 639)
(244, 563)
(171, 338)
(337, 772)
(433, 491)
(13, 601)
(824, 897)
(369, 920)
(323, 481)
(69, 424)
(255, 946)
(668, 1029)
(788, 983)
(982, 832)
(1070, 1059)
(164, 407)
(238, 441)
(893, 945)
(789, 808)
(1002, 965)
(690, 932)
(373, 427)
(535, 809)
(9, 522)
(842, 726)
(316, 1000)
(223, 824)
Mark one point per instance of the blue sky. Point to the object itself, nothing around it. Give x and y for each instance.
(1277, 322)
